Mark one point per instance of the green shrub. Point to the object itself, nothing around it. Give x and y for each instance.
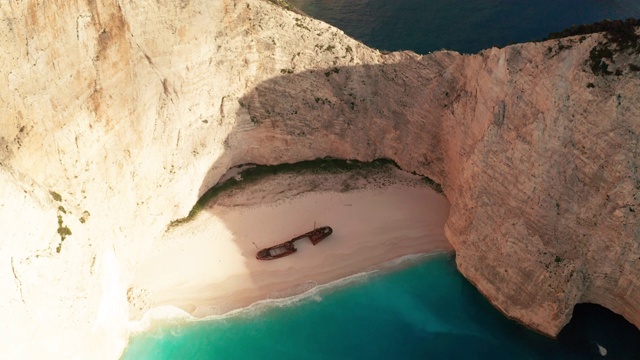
(434, 185)
(620, 37)
(55, 196)
(285, 5)
(63, 231)
(618, 29)
(597, 63)
(317, 166)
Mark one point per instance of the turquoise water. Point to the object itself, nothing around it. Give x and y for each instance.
(427, 311)
(462, 25)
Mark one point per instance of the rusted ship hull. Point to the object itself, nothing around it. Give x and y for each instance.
(288, 247)
(277, 251)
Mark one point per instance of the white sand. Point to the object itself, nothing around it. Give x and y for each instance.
(208, 266)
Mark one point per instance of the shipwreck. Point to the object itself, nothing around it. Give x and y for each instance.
(288, 247)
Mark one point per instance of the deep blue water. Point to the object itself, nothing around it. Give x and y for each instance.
(462, 25)
(427, 311)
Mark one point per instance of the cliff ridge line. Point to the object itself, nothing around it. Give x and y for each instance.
(129, 111)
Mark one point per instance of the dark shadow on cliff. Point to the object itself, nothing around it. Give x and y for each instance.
(366, 112)
(358, 113)
(392, 111)
(593, 326)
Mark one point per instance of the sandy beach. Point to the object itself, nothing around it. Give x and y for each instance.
(208, 266)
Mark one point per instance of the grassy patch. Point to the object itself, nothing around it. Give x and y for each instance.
(300, 24)
(620, 37)
(317, 166)
(598, 57)
(55, 196)
(608, 26)
(63, 231)
(335, 70)
(434, 185)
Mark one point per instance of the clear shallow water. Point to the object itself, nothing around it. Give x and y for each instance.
(463, 25)
(427, 311)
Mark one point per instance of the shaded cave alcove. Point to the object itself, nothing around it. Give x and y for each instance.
(611, 334)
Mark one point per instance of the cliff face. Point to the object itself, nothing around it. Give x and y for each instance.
(546, 199)
(115, 115)
(536, 154)
(118, 115)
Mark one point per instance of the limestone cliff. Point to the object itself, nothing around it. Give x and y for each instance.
(117, 115)
(536, 154)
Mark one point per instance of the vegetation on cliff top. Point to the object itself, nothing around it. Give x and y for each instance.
(615, 29)
(621, 37)
(63, 231)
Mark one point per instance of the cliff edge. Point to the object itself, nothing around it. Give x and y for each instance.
(119, 115)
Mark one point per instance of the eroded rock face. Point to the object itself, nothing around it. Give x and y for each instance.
(118, 115)
(535, 153)
(547, 198)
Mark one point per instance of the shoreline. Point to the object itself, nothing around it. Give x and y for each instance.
(167, 315)
(206, 268)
